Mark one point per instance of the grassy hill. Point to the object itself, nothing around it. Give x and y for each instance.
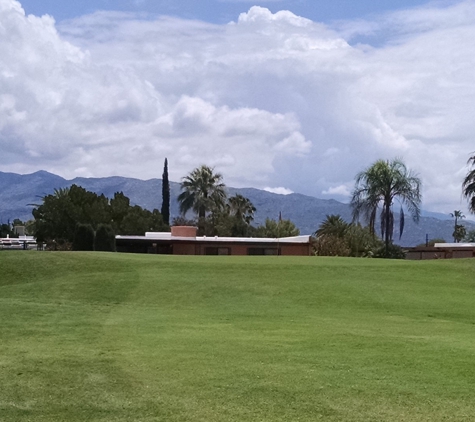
(112, 337)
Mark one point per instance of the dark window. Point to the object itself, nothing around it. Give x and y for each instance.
(263, 251)
(217, 251)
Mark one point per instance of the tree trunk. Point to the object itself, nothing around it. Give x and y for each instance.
(387, 211)
(201, 220)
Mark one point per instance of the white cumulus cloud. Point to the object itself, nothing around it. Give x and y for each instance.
(271, 99)
(279, 190)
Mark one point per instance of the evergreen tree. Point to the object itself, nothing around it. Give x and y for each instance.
(104, 239)
(165, 211)
(83, 238)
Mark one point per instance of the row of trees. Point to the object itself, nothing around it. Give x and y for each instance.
(82, 220)
(204, 193)
(61, 214)
(377, 188)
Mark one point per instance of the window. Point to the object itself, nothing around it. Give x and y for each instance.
(263, 251)
(217, 251)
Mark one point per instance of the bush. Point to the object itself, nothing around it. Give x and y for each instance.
(105, 239)
(57, 245)
(470, 236)
(83, 238)
(331, 246)
(393, 252)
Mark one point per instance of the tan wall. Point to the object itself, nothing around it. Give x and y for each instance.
(439, 253)
(184, 248)
(462, 254)
(184, 231)
(296, 250)
(239, 250)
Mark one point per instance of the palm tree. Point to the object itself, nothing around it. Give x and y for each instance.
(377, 187)
(241, 208)
(202, 191)
(468, 185)
(333, 225)
(457, 214)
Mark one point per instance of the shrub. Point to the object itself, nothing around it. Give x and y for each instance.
(470, 236)
(331, 246)
(105, 239)
(393, 252)
(83, 238)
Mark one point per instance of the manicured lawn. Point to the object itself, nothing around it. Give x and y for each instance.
(116, 337)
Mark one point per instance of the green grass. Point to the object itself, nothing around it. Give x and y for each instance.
(116, 337)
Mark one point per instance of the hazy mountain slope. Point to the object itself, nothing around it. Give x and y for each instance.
(17, 191)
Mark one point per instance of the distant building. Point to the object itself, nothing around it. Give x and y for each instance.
(19, 230)
(18, 243)
(442, 251)
(183, 241)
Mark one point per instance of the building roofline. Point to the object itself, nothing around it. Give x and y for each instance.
(166, 236)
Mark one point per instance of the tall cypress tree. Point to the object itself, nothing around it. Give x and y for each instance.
(165, 195)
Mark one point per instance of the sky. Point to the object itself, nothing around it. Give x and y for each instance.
(288, 96)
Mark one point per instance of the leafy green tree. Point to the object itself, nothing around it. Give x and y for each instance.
(333, 225)
(335, 237)
(6, 230)
(468, 185)
(83, 238)
(457, 215)
(60, 213)
(394, 252)
(377, 188)
(202, 191)
(104, 239)
(233, 220)
(280, 228)
(165, 210)
(88, 207)
(54, 218)
(138, 221)
(241, 208)
(119, 207)
(459, 233)
(331, 245)
(361, 241)
(470, 236)
(183, 221)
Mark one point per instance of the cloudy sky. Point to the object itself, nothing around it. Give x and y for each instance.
(290, 95)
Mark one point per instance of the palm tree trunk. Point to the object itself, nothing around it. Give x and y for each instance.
(201, 220)
(387, 211)
(455, 227)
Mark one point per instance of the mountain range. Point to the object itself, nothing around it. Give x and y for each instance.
(18, 193)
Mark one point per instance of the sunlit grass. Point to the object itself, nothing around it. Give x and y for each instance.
(117, 337)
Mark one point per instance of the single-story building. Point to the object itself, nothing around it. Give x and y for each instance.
(182, 240)
(442, 251)
(18, 243)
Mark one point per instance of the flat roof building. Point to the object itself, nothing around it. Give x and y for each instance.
(182, 240)
(442, 251)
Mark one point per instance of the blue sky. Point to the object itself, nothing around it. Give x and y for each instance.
(221, 11)
(288, 96)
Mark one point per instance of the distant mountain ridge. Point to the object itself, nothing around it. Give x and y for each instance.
(18, 191)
